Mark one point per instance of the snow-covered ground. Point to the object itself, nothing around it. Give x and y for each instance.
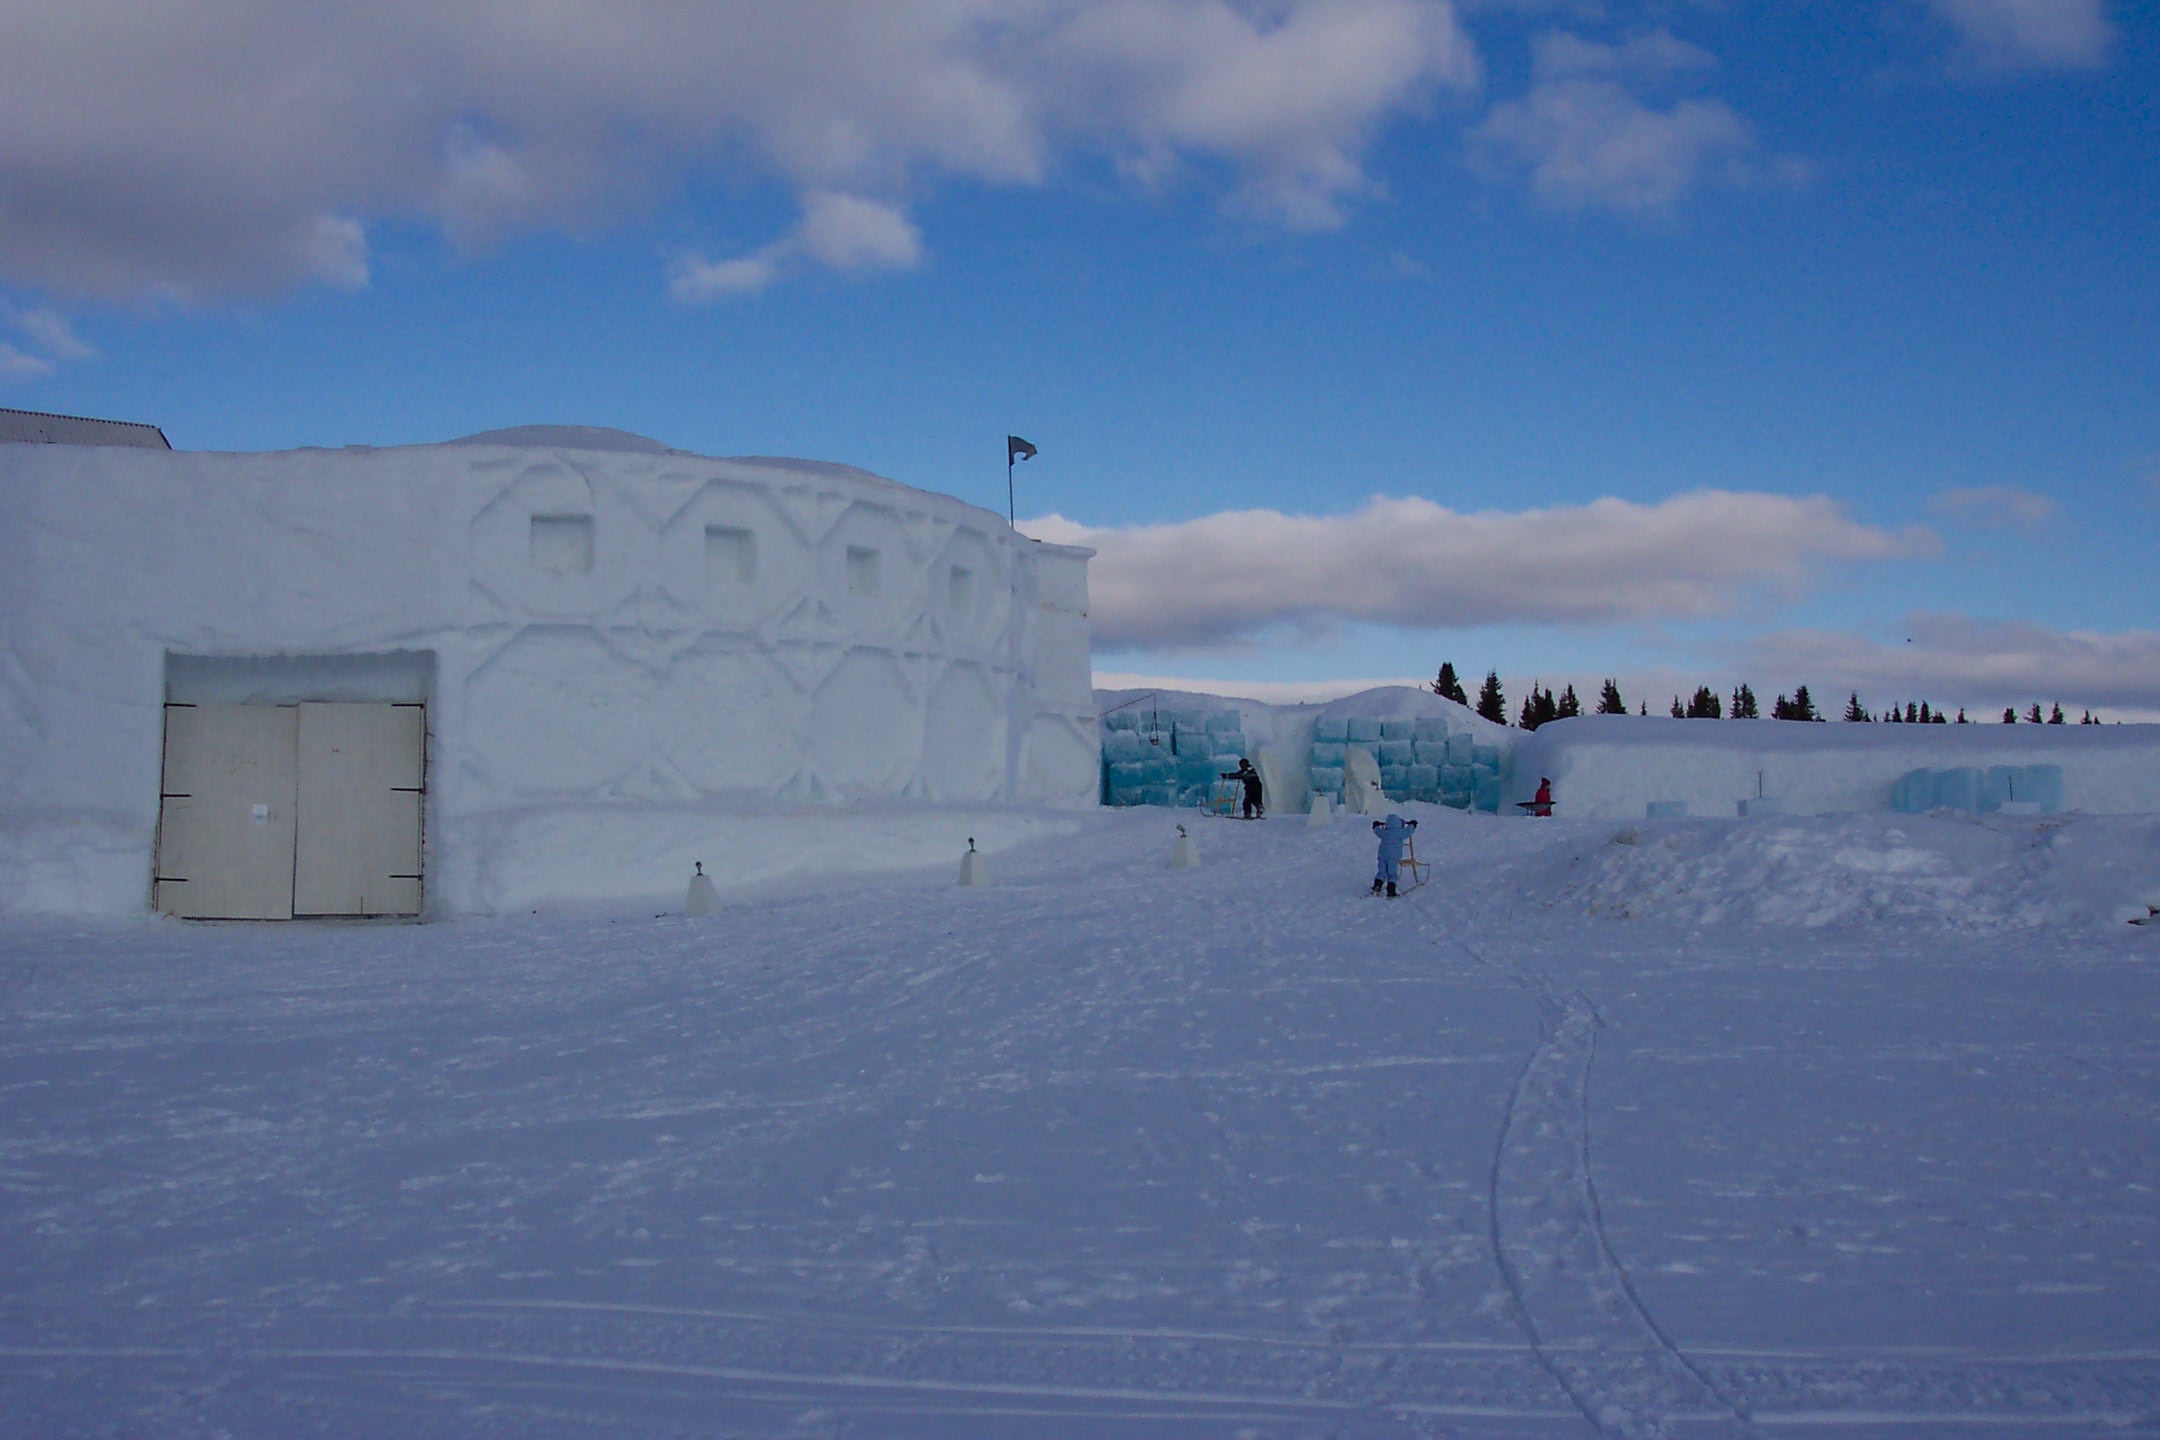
(1839, 1126)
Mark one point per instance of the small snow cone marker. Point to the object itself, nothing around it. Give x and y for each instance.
(971, 866)
(701, 899)
(1185, 855)
(1323, 809)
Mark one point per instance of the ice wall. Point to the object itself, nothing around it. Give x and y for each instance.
(1617, 766)
(605, 629)
(1163, 748)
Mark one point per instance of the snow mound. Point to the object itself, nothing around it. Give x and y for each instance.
(1394, 702)
(1931, 871)
(568, 437)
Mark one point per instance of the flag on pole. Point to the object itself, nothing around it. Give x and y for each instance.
(1017, 449)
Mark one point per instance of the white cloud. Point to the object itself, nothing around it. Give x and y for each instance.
(49, 331)
(246, 147)
(843, 232)
(1585, 137)
(2004, 506)
(52, 342)
(695, 281)
(1963, 661)
(1290, 103)
(850, 233)
(17, 365)
(2008, 35)
(1222, 579)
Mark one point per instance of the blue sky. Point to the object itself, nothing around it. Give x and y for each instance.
(1612, 292)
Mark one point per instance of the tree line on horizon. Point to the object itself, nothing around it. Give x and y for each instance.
(1541, 705)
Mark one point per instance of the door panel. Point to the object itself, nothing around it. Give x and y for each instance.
(358, 847)
(225, 832)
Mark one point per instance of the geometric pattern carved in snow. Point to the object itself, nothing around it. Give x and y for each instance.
(866, 726)
(964, 737)
(559, 712)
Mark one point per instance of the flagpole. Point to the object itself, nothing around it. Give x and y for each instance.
(1015, 449)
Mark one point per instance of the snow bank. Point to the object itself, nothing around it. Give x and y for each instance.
(1618, 766)
(612, 639)
(1931, 871)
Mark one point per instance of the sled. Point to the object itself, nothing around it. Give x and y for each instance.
(1412, 868)
(1540, 808)
(1227, 799)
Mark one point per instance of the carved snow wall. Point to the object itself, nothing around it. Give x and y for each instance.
(607, 633)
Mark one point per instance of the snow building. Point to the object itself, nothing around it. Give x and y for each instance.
(34, 427)
(548, 663)
(1628, 767)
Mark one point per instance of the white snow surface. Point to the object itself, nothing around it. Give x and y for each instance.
(1813, 1126)
(570, 437)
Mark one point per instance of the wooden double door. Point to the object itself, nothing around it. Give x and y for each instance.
(274, 811)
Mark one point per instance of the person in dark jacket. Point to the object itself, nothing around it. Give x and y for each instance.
(1251, 779)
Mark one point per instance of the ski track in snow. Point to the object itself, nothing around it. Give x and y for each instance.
(1582, 1314)
(1108, 1150)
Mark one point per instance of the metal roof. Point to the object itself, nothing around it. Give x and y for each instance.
(31, 427)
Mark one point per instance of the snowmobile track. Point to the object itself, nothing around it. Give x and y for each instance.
(1583, 1316)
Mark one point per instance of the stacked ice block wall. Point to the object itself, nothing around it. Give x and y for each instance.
(1977, 791)
(1153, 757)
(1419, 759)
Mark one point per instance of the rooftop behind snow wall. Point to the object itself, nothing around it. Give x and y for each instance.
(615, 635)
(1616, 766)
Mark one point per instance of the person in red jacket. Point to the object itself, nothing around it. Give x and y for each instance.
(1541, 803)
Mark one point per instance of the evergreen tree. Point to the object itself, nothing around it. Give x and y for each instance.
(2009, 716)
(1927, 716)
(1569, 706)
(1704, 705)
(1941, 719)
(2032, 716)
(1893, 716)
(1854, 713)
(1912, 713)
(1447, 686)
(1527, 718)
(2055, 716)
(1678, 713)
(1804, 705)
(2088, 719)
(1781, 708)
(1609, 701)
(1961, 716)
(1645, 710)
(1491, 702)
(1743, 704)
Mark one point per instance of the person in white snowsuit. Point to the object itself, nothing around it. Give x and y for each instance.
(1392, 831)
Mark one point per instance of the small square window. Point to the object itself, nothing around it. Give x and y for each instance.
(862, 571)
(562, 544)
(960, 590)
(730, 555)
